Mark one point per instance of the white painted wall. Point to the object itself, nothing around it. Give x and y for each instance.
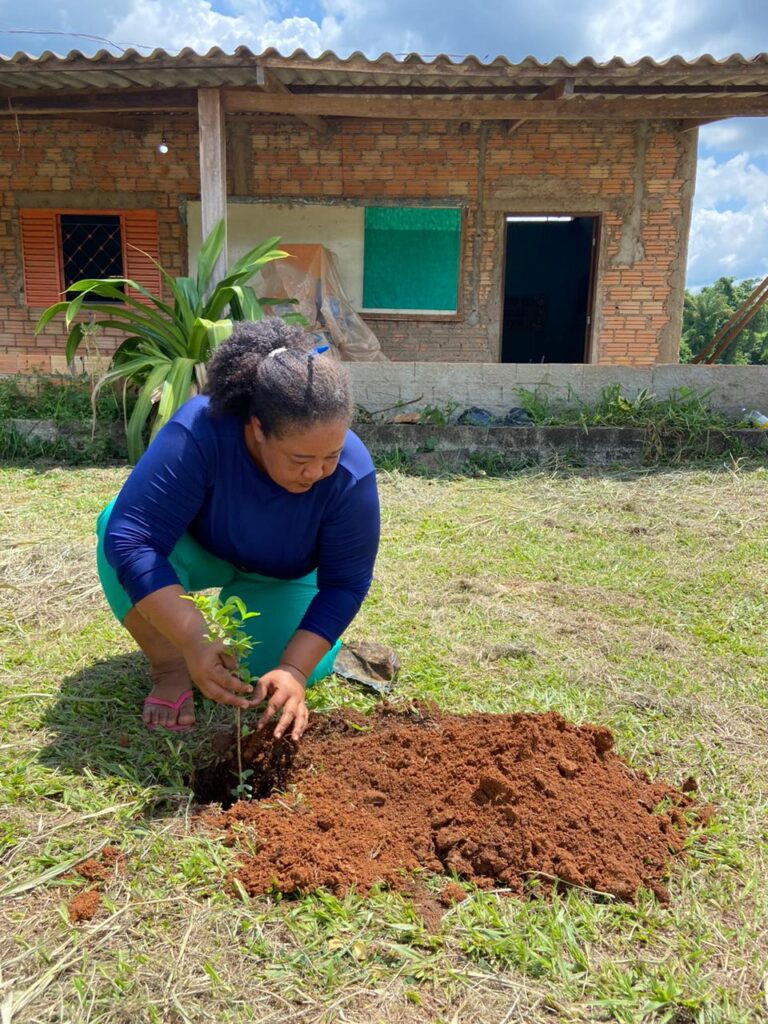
(338, 228)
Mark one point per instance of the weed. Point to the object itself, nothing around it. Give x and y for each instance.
(59, 397)
(438, 415)
(680, 427)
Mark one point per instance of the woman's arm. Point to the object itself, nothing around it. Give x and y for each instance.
(158, 501)
(209, 664)
(285, 685)
(348, 543)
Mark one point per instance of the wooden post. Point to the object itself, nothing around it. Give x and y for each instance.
(213, 170)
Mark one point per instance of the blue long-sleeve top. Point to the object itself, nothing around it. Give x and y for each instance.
(197, 476)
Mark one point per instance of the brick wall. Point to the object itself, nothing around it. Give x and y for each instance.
(637, 179)
(60, 164)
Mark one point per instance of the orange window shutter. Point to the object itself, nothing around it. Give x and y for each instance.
(141, 240)
(40, 255)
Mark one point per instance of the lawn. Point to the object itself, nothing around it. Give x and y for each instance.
(633, 600)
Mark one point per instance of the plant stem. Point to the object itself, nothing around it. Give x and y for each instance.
(239, 750)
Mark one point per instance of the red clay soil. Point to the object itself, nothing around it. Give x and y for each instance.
(87, 903)
(84, 906)
(92, 871)
(498, 800)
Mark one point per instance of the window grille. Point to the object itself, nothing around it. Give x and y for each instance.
(91, 246)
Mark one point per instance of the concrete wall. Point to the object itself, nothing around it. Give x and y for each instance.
(495, 387)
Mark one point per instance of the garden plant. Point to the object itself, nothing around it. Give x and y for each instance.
(225, 621)
(166, 345)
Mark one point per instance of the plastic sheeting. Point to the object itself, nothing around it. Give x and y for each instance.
(310, 276)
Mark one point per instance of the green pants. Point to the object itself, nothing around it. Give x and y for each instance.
(281, 603)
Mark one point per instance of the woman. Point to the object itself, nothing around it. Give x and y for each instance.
(260, 488)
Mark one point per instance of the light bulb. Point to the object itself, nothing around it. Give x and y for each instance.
(163, 147)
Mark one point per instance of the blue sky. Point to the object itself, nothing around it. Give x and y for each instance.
(730, 224)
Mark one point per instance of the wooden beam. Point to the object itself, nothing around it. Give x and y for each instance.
(691, 124)
(273, 84)
(531, 89)
(558, 91)
(514, 125)
(317, 105)
(213, 170)
(118, 122)
(733, 327)
(576, 108)
(123, 101)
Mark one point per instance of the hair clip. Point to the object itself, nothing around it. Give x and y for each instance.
(319, 350)
(275, 351)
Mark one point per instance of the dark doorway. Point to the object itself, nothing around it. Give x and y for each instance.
(547, 289)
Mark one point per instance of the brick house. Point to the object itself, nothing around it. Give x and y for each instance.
(479, 212)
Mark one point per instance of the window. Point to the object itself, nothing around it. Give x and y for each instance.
(411, 260)
(60, 247)
(91, 246)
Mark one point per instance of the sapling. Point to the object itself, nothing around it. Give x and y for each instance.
(224, 621)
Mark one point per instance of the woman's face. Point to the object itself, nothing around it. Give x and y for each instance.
(297, 459)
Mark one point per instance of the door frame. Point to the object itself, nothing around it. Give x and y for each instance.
(597, 219)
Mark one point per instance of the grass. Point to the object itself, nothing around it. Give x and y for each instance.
(66, 400)
(677, 429)
(637, 600)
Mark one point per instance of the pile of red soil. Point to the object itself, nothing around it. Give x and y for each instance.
(498, 800)
(84, 906)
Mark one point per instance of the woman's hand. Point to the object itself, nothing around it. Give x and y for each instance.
(284, 687)
(211, 668)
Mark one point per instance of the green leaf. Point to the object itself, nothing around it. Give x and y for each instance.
(142, 409)
(257, 254)
(237, 603)
(209, 252)
(244, 305)
(216, 332)
(175, 392)
(188, 299)
(73, 341)
(73, 309)
(108, 288)
(126, 308)
(49, 314)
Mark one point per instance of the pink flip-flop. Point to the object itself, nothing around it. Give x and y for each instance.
(174, 706)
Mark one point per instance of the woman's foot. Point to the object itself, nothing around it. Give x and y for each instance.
(164, 708)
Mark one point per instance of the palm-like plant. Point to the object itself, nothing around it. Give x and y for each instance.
(167, 346)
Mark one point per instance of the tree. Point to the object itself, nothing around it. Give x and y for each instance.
(705, 313)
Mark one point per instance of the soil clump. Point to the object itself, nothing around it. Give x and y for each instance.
(84, 906)
(496, 800)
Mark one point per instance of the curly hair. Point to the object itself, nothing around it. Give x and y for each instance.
(270, 370)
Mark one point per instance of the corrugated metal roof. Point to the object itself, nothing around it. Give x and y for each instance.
(50, 72)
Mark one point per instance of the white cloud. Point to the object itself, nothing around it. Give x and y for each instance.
(730, 221)
(637, 28)
(729, 225)
(170, 24)
(174, 24)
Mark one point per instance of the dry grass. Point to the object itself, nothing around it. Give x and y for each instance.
(636, 600)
